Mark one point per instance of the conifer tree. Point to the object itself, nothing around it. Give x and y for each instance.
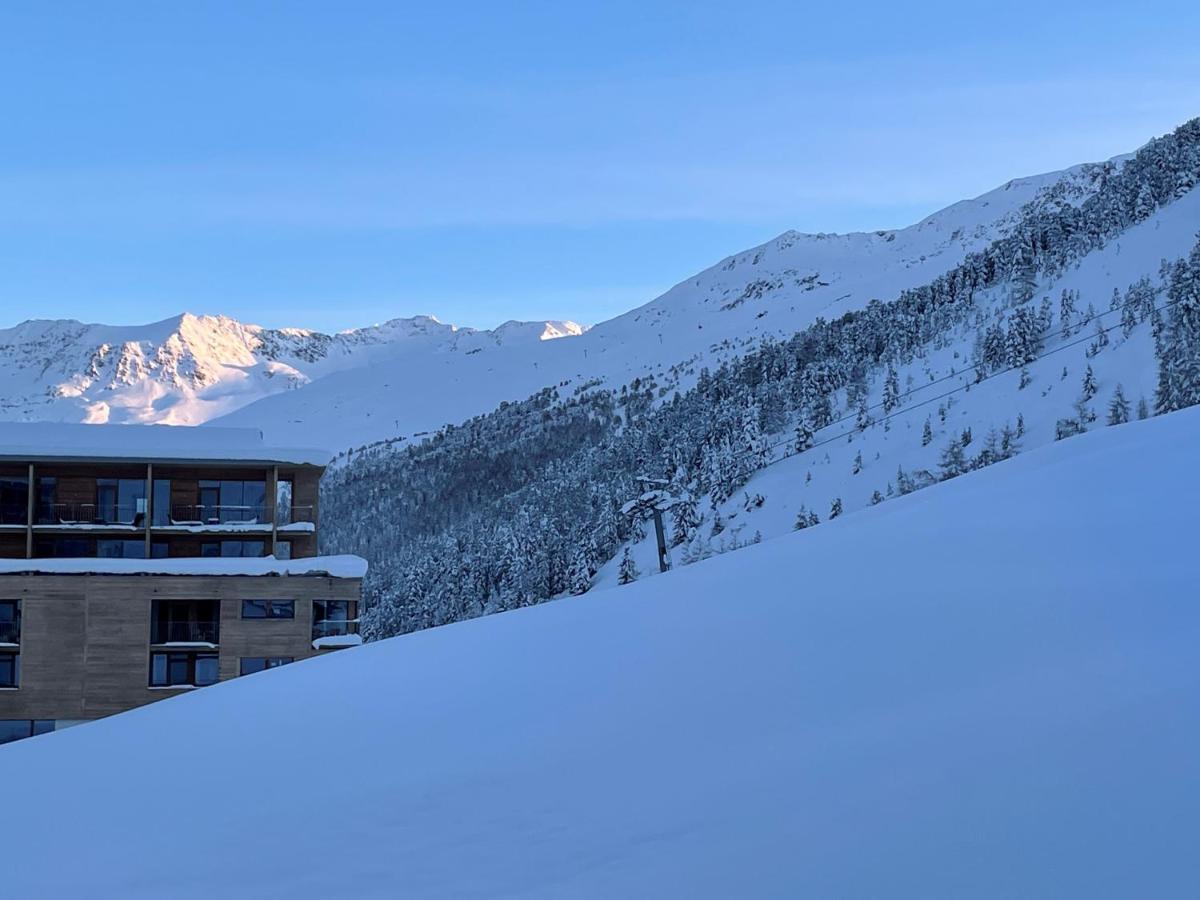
(1118, 407)
(858, 463)
(953, 462)
(927, 433)
(835, 508)
(628, 570)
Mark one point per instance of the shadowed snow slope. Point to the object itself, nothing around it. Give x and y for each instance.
(985, 689)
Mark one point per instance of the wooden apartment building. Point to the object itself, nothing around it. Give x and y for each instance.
(140, 562)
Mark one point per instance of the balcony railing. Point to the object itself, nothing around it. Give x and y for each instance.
(10, 633)
(90, 514)
(13, 514)
(185, 633)
(220, 514)
(334, 628)
(294, 515)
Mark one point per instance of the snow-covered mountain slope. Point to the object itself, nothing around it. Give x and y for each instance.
(190, 369)
(984, 689)
(849, 465)
(774, 290)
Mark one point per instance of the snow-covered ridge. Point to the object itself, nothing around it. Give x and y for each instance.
(773, 290)
(189, 369)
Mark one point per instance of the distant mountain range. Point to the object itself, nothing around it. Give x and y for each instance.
(410, 376)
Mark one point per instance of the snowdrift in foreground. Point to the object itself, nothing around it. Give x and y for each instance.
(988, 689)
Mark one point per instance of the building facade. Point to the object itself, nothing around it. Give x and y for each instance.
(141, 562)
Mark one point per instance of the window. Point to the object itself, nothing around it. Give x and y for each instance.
(268, 609)
(16, 729)
(331, 617)
(10, 621)
(120, 549)
(183, 669)
(121, 500)
(283, 549)
(47, 494)
(161, 505)
(63, 548)
(284, 492)
(233, 501)
(252, 664)
(10, 670)
(233, 548)
(184, 622)
(14, 500)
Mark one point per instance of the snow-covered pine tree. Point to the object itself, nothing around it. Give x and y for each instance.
(835, 508)
(927, 433)
(1179, 350)
(1118, 407)
(858, 463)
(891, 390)
(953, 461)
(628, 570)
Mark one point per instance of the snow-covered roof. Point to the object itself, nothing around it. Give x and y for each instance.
(333, 566)
(152, 443)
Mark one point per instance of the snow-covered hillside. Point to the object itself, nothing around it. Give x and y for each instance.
(771, 290)
(984, 689)
(410, 376)
(190, 369)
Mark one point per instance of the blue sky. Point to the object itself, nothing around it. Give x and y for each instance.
(335, 164)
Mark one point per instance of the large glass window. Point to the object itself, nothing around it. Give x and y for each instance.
(63, 548)
(330, 617)
(268, 609)
(252, 664)
(47, 495)
(183, 669)
(230, 501)
(185, 622)
(10, 669)
(121, 549)
(14, 500)
(161, 505)
(233, 548)
(284, 492)
(10, 621)
(121, 500)
(16, 729)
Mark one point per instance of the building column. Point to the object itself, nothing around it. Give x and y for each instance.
(149, 504)
(29, 512)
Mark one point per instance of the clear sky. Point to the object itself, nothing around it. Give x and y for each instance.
(340, 163)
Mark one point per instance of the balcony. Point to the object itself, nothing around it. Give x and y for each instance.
(14, 514)
(185, 633)
(10, 634)
(193, 515)
(92, 515)
(236, 517)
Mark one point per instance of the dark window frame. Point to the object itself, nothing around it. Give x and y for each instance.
(271, 609)
(10, 628)
(268, 662)
(189, 660)
(10, 669)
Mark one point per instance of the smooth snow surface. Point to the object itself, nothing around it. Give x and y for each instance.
(343, 566)
(44, 440)
(988, 688)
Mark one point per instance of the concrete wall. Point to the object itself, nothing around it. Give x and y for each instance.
(85, 639)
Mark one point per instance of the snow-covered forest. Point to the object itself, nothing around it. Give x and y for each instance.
(1084, 314)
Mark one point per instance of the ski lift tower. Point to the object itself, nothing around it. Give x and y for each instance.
(652, 503)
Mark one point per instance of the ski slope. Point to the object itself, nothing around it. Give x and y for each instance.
(987, 688)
